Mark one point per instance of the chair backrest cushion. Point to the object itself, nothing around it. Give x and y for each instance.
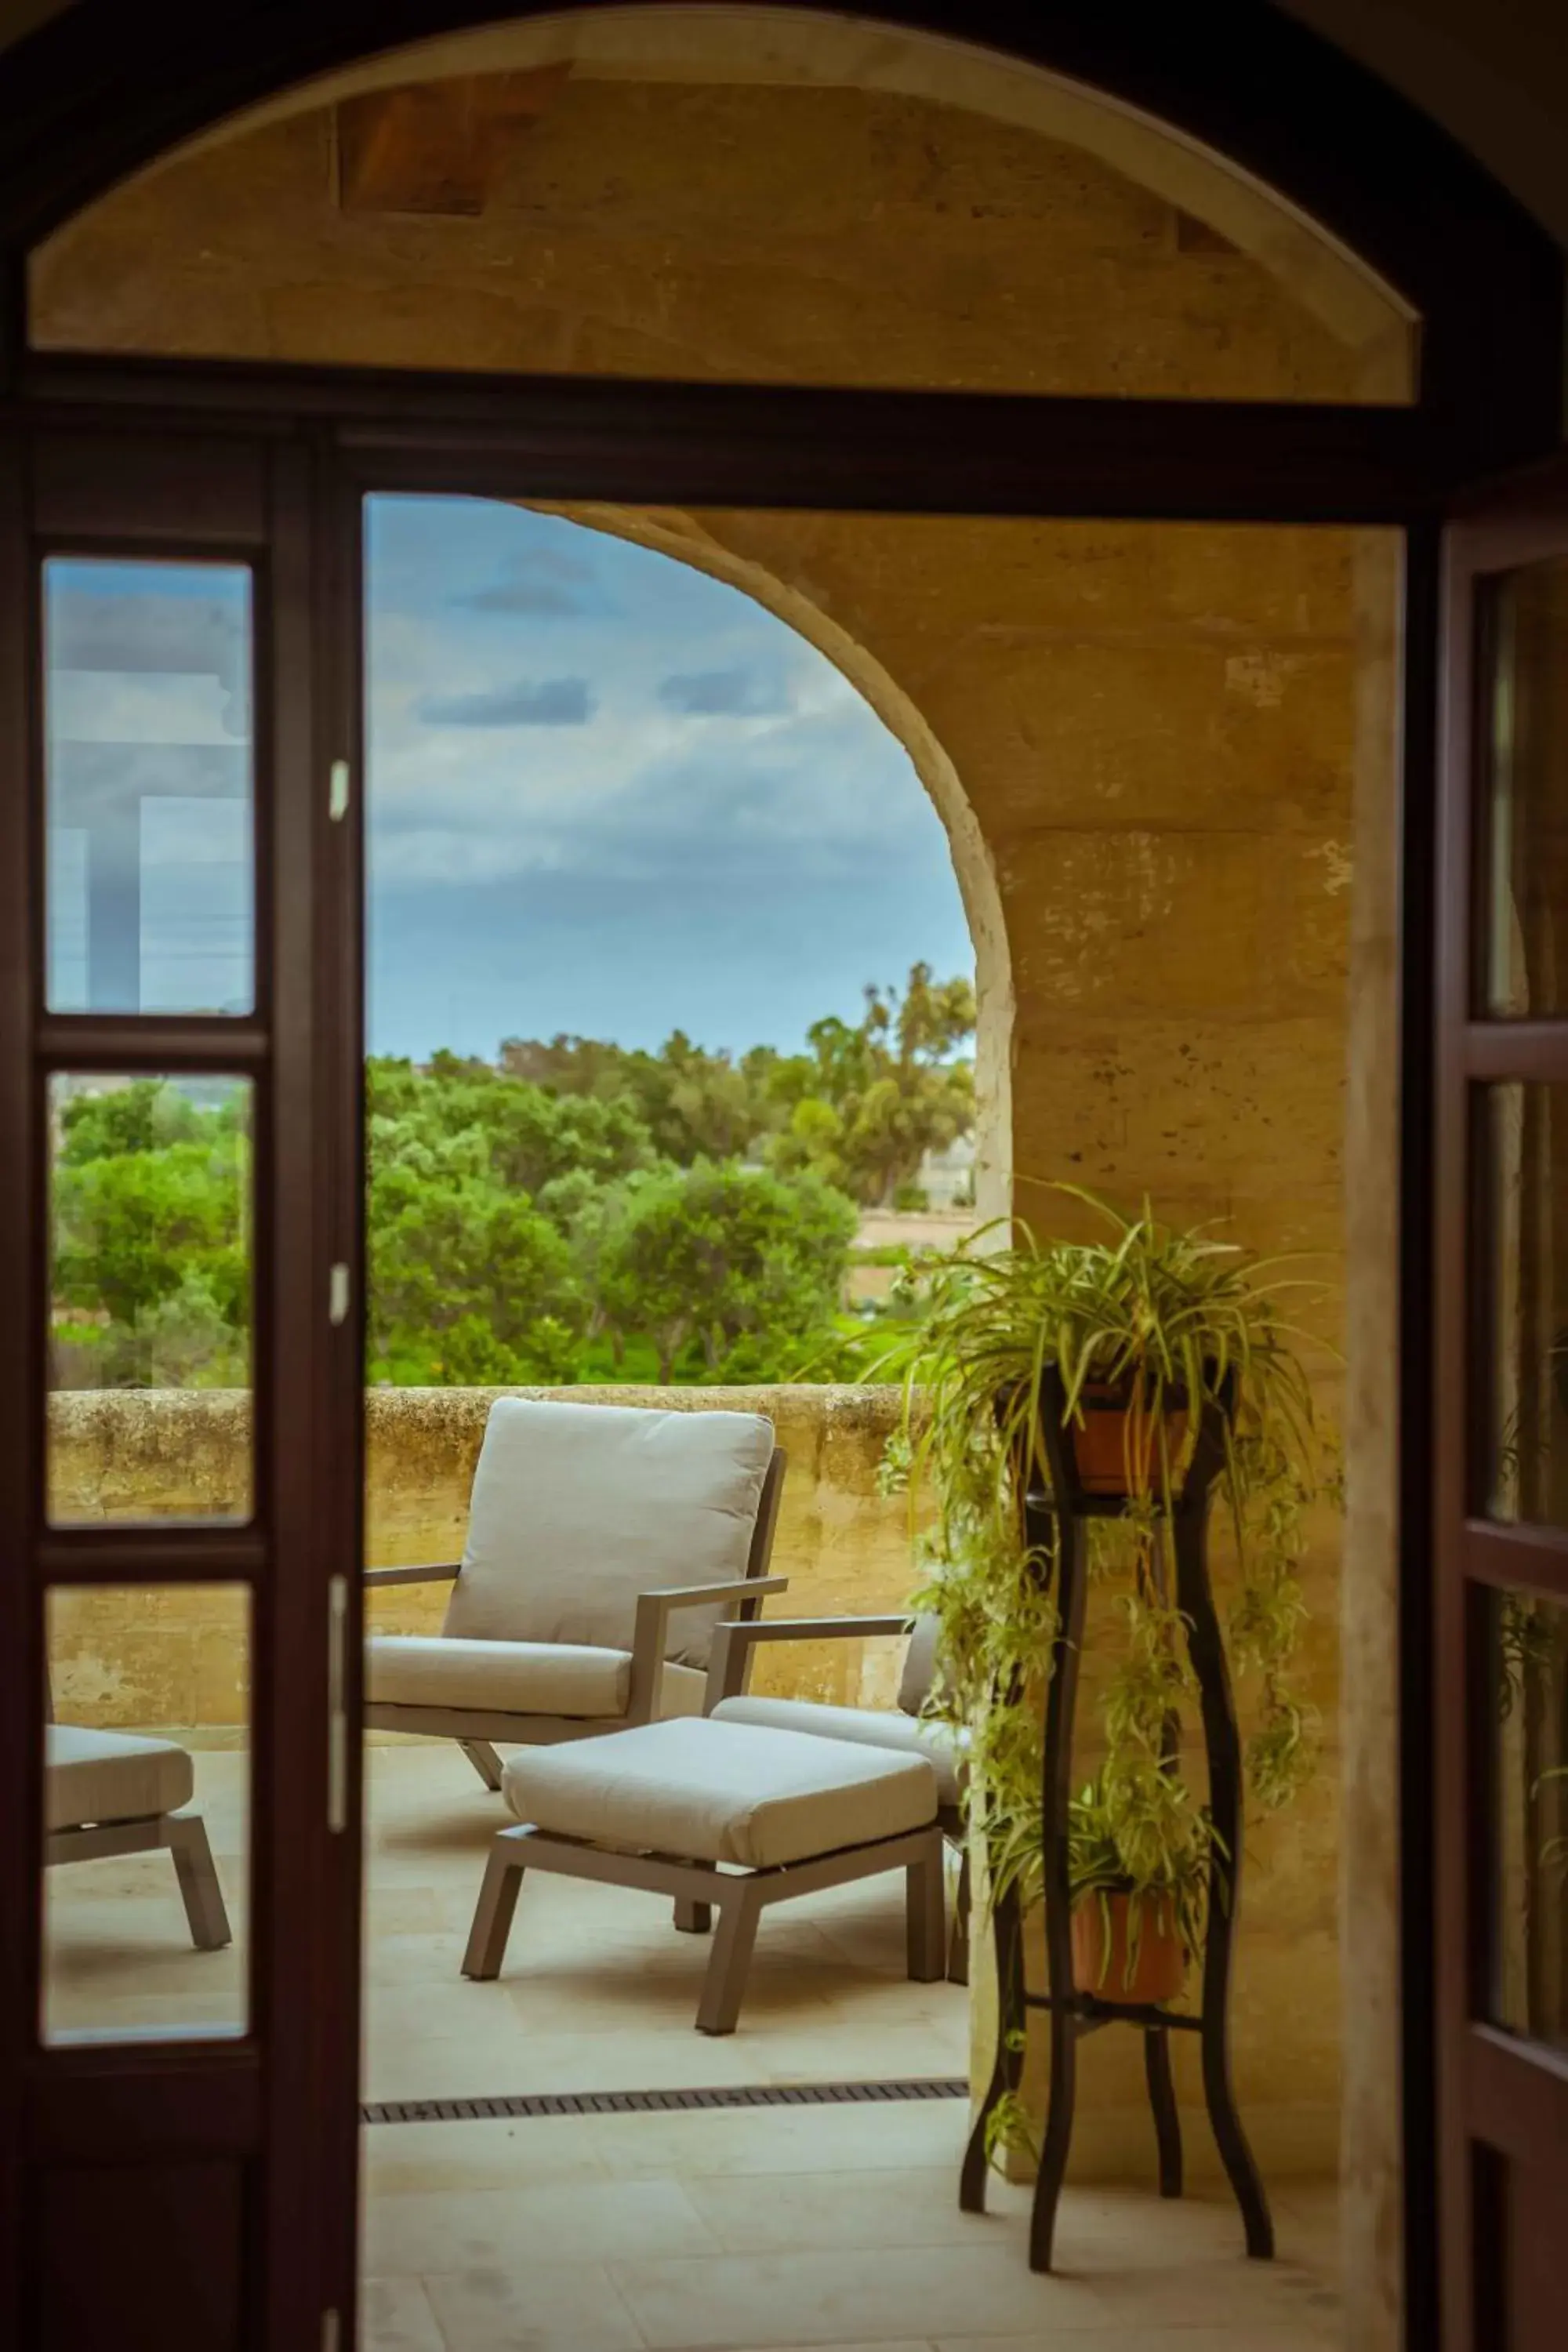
(576, 1508)
(920, 1666)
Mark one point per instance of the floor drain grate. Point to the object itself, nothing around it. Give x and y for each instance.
(662, 2103)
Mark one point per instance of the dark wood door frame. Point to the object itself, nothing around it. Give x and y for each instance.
(204, 2136)
(670, 442)
(359, 435)
(1502, 2104)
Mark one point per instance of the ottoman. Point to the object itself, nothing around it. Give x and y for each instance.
(730, 1816)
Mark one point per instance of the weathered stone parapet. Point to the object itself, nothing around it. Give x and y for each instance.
(176, 1657)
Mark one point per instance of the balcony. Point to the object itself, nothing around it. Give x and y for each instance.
(598, 1992)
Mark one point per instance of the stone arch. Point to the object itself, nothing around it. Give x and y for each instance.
(795, 46)
(696, 540)
(1469, 262)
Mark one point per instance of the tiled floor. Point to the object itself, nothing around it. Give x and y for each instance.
(763, 2230)
(829, 2226)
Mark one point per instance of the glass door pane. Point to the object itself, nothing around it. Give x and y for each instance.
(149, 758)
(1500, 1467)
(151, 1298)
(1524, 731)
(176, 1906)
(1529, 1827)
(147, 1813)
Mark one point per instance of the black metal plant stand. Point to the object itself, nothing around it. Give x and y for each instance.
(1073, 2014)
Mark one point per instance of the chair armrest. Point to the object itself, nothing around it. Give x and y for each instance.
(731, 1662)
(650, 1632)
(443, 1574)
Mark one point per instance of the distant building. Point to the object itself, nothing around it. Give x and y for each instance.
(947, 1177)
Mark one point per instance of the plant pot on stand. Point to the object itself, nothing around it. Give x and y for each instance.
(1137, 1450)
(1127, 1949)
(1124, 1443)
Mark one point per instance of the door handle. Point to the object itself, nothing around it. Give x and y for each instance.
(336, 1715)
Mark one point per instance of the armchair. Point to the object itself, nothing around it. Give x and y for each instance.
(603, 1544)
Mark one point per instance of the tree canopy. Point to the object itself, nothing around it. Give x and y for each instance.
(151, 1215)
(860, 1107)
(575, 1211)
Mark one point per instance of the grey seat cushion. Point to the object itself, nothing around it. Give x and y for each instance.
(110, 1775)
(521, 1678)
(576, 1508)
(712, 1791)
(869, 1726)
(497, 1677)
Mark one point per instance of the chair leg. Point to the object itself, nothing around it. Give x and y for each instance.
(493, 1912)
(485, 1761)
(199, 1889)
(958, 1946)
(925, 1903)
(693, 1917)
(725, 1984)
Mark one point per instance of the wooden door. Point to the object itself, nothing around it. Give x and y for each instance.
(176, 2113)
(1500, 1600)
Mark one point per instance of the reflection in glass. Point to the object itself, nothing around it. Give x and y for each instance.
(148, 767)
(1530, 1944)
(147, 1813)
(1525, 719)
(151, 1291)
(1526, 1214)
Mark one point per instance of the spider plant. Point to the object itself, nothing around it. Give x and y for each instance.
(1139, 1837)
(1165, 1320)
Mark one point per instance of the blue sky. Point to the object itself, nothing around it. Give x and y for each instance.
(606, 794)
(611, 796)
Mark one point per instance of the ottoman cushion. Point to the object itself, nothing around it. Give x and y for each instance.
(867, 1726)
(110, 1775)
(737, 1792)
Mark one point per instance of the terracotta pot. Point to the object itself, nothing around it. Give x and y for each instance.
(1116, 1443)
(1160, 1970)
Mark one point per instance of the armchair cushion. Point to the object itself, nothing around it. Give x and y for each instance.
(556, 1678)
(110, 1775)
(576, 1508)
(869, 1727)
(497, 1677)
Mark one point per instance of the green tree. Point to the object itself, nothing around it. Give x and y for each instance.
(151, 1267)
(867, 1102)
(693, 1104)
(470, 1285)
(471, 1280)
(723, 1255)
(521, 1134)
(535, 1221)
